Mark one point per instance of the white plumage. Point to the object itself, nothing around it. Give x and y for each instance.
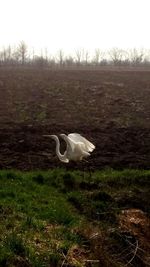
(78, 147)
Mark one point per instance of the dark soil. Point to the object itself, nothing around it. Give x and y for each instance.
(110, 108)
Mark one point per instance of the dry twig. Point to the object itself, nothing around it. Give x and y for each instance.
(135, 251)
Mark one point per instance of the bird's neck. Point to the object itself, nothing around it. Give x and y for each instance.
(61, 157)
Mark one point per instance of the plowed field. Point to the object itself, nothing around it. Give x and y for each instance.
(111, 108)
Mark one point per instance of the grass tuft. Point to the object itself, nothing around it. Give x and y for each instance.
(15, 244)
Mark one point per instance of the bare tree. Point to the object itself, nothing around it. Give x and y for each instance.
(9, 53)
(146, 58)
(60, 56)
(136, 56)
(86, 57)
(46, 54)
(79, 56)
(97, 56)
(15, 55)
(22, 52)
(40, 61)
(116, 55)
(69, 61)
(6, 55)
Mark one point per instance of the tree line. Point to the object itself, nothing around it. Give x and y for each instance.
(21, 55)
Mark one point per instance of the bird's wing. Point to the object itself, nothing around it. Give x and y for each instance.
(70, 143)
(75, 137)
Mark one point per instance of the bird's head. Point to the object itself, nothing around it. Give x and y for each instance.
(53, 136)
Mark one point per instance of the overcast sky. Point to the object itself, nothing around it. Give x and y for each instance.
(74, 24)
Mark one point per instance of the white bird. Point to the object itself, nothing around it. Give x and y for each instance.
(78, 147)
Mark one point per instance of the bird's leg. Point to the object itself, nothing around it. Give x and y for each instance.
(89, 169)
(84, 177)
(84, 170)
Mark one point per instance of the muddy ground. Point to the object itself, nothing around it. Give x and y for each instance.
(109, 107)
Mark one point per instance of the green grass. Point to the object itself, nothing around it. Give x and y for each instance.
(46, 217)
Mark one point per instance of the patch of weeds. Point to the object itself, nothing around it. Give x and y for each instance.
(37, 259)
(64, 247)
(132, 199)
(64, 217)
(69, 181)
(58, 183)
(54, 178)
(101, 196)
(96, 205)
(70, 235)
(55, 259)
(125, 178)
(30, 222)
(63, 180)
(57, 210)
(118, 240)
(5, 256)
(5, 210)
(10, 175)
(85, 185)
(7, 194)
(15, 244)
(101, 212)
(121, 245)
(77, 200)
(102, 207)
(38, 179)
